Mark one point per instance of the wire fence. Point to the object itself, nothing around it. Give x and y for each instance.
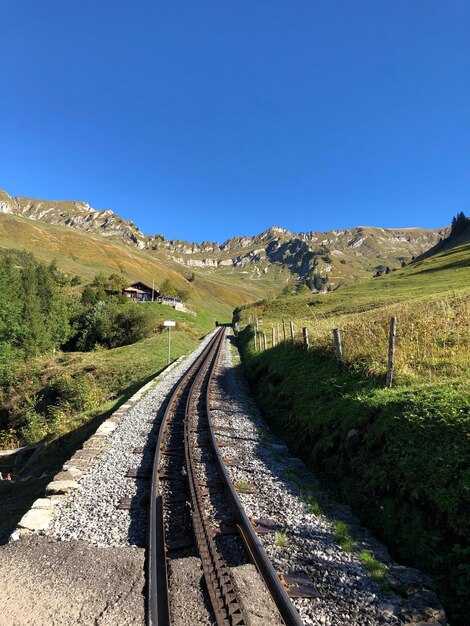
(408, 341)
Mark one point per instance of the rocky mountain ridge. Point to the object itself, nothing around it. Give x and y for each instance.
(339, 256)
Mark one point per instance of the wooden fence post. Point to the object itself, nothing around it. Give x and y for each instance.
(338, 348)
(305, 335)
(273, 337)
(292, 330)
(391, 350)
(265, 341)
(256, 341)
(284, 331)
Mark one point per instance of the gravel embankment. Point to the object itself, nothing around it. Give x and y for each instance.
(89, 513)
(347, 594)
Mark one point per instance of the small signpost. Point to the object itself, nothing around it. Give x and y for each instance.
(169, 323)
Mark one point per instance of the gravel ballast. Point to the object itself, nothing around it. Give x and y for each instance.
(347, 595)
(90, 512)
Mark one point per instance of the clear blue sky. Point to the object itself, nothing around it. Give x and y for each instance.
(309, 114)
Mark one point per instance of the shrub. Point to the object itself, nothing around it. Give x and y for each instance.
(35, 427)
(113, 324)
(130, 324)
(8, 439)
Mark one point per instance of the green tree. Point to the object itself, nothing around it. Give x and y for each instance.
(100, 280)
(182, 294)
(89, 297)
(168, 288)
(459, 224)
(34, 305)
(116, 283)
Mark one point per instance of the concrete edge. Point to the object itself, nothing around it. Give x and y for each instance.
(38, 518)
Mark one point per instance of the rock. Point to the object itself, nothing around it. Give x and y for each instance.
(83, 454)
(76, 463)
(97, 440)
(407, 580)
(106, 428)
(61, 486)
(36, 520)
(422, 607)
(45, 503)
(67, 475)
(353, 438)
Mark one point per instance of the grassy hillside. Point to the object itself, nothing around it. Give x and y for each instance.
(427, 279)
(86, 254)
(68, 395)
(399, 456)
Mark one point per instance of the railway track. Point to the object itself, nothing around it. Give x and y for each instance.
(195, 510)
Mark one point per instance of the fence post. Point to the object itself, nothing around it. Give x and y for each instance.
(338, 348)
(257, 323)
(265, 341)
(256, 341)
(284, 331)
(273, 337)
(292, 330)
(305, 335)
(391, 350)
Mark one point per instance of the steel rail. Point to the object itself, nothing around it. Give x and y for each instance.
(227, 606)
(224, 597)
(158, 609)
(247, 532)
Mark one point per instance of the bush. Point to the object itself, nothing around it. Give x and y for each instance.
(35, 427)
(112, 324)
(130, 324)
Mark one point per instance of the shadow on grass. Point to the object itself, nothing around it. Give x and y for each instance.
(449, 266)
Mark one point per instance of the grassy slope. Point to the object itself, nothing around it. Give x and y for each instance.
(112, 376)
(430, 278)
(86, 254)
(400, 456)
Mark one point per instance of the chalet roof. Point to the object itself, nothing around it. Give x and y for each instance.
(139, 282)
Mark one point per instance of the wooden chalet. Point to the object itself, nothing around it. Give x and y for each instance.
(140, 292)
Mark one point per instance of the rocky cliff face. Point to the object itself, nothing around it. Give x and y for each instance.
(78, 215)
(340, 255)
